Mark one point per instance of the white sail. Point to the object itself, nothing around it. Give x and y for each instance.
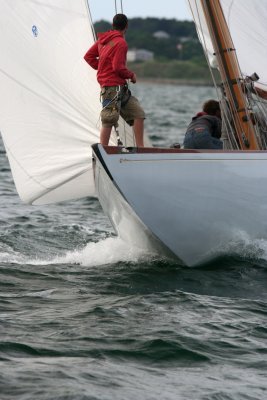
(49, 98)
(246, 20)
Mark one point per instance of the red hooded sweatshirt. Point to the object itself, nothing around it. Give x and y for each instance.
(108, 56)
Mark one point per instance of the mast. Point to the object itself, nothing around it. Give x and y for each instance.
(230, 73)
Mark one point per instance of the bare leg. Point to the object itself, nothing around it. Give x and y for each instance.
(105, 135)
(138, 128)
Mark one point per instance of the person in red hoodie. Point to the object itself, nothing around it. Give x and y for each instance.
(205, 129)
(108, 57)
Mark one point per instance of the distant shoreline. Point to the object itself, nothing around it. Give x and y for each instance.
(173, 72)
(178, 82)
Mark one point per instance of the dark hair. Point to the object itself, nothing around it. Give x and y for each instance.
(211, 107)
(120, 22)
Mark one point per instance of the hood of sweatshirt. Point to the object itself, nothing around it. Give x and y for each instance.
(106, 37)
(200, 114)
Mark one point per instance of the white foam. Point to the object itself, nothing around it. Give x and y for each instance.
(8, 255)
(107, 251)
(114, 250)
(243, 245)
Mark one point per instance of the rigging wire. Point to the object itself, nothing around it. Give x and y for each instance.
(259, 115)
(238, 66)
(230, 119)
(122, 122)
(227, 112)
(116, 8)
(255, 113)
(91, 20)
(201, 35)
(255, 107)
(200, 30)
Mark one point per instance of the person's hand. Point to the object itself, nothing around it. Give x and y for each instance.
(133, 79)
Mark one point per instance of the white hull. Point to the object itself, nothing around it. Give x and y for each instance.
(194, 203)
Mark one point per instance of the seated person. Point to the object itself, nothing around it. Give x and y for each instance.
(205, 129)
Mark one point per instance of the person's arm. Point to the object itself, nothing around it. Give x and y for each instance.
(119, 63)
(92, 56)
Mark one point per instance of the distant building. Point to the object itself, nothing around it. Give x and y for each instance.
(139, 55)
(161, 35)
(184, 39)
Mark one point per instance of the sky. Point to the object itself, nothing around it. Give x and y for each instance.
(106, 9)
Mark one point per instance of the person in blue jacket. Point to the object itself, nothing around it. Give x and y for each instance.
(205, 129)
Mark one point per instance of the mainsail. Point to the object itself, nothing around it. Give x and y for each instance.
(49, 98)
(246, 21)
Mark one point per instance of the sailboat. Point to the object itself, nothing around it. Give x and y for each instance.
(187, 204)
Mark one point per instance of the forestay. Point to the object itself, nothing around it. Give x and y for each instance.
(246, 20)
(49, 98)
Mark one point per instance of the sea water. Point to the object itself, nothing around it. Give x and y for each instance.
(83, 316)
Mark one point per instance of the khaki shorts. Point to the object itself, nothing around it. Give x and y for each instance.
(111, 112)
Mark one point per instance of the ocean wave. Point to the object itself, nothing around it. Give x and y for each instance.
(107, 251)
